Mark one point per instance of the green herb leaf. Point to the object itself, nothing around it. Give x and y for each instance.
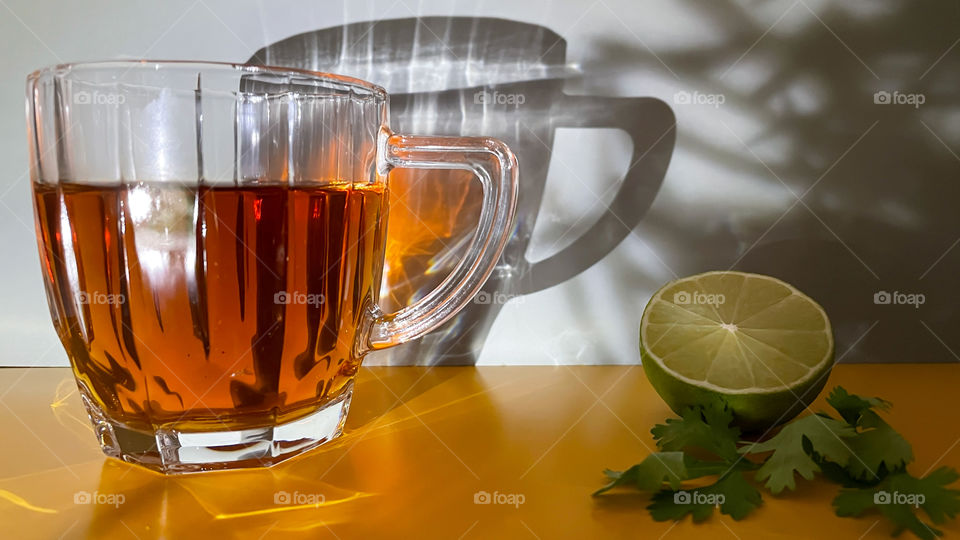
(899, 497)
(662, 468)
(878, 450)
(733, 494)
(650, 474)
(851, 406)
(862, 452)
(840, 475)
(824, 436)
(707, 428)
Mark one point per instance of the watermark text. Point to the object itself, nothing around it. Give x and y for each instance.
(511, 499)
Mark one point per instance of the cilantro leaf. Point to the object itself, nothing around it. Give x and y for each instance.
(862, 452)
(840, 475)
(650, 474)
(707, 428)
(940, 502)
(741, 497)
(824, 436)
(662, 468)
(878, 450)
(900, 495)
(733, 494)
(851, 406)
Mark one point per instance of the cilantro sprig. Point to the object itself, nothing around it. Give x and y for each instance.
(858, 450)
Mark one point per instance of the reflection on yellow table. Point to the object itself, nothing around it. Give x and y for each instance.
(508, 452)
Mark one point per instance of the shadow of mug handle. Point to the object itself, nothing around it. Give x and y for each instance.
(651, 125)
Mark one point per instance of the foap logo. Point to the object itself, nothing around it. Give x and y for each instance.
(84, 297)
(298, 298)
(912, 499)
(697, 298)
(298, 498)
(111, 499)
(899, 98)
(511, 499)
(696, 497)
(884, 298)
(485, 97)
(85, 97)
(495, 298)
(696, 98)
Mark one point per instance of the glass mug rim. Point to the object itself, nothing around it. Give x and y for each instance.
(52, 71)
(179, 448)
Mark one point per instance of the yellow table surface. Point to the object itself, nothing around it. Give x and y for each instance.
(419, 444)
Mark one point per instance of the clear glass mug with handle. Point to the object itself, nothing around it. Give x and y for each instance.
(212, 242)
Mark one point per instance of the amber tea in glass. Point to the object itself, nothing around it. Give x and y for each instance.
(212, 244)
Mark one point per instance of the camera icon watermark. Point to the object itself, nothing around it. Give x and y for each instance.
(511, 499)
(696, 98)
(299, 499)
(884, 298)
(95, 297)
(495, 298)
(85, 97)
(111, 499)
(696, 497)
(486, 97)
(687, 298)
(896, 97)
(912, 499)
(298, 298)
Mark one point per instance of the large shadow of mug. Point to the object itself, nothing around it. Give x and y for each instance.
(499, 78)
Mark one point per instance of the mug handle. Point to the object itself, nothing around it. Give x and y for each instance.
(651, 125)
(495, 166)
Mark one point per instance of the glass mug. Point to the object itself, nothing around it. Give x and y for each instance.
(212, 243)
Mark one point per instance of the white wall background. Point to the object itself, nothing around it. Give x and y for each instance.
(798, 79)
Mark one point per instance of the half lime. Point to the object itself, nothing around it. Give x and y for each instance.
(759, 344)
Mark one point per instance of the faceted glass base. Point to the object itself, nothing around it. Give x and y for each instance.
(172, 451)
